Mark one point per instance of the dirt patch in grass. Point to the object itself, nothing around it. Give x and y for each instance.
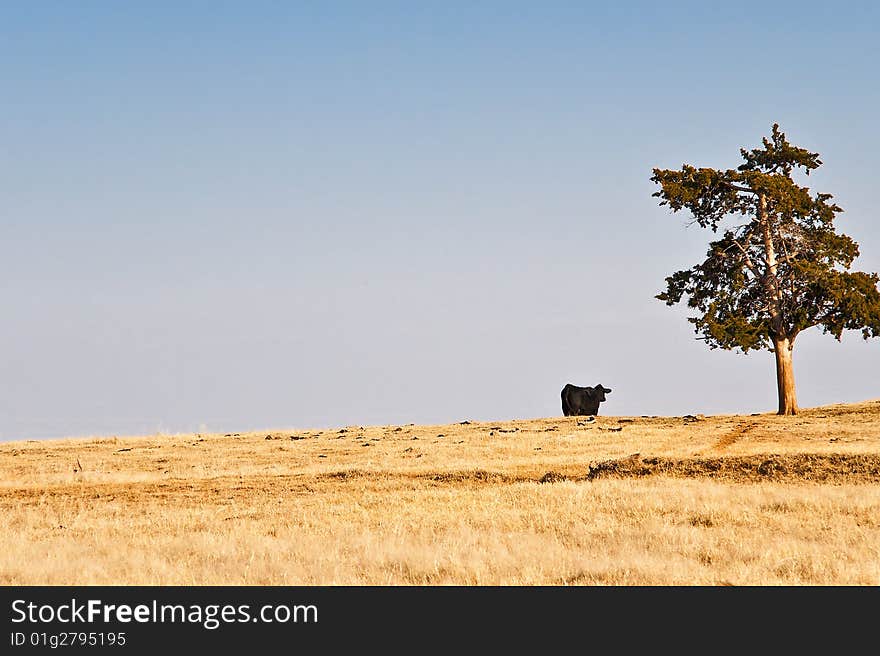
(734, 435)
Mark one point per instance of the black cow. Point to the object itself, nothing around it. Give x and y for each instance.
(582, 400)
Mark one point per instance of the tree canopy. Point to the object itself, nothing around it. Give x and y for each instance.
(778, 266)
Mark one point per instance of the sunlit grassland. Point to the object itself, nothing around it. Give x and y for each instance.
(514, 502)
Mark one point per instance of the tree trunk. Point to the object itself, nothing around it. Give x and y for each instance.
(785, 376)
(782, 346)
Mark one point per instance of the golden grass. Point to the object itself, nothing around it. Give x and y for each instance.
(729, 499)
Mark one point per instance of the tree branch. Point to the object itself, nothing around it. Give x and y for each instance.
(787, 258)
(825, 317)
(738, 188)
(747, 259)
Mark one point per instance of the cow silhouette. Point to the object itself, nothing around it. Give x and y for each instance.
(582, 400)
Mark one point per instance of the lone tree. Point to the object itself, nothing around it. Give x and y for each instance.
(778, 268)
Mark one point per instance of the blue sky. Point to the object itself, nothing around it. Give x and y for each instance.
(233, 216)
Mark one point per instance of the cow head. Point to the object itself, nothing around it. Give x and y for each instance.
(600, 391)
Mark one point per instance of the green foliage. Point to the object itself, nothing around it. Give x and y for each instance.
(781, 267)
(778, 156)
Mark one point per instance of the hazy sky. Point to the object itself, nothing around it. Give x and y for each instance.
(225, 216)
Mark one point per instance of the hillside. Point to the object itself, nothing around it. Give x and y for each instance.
(561, 500)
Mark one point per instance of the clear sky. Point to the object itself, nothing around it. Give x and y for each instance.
(225, 216)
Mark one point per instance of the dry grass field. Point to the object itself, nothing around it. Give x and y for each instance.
(715, 500)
